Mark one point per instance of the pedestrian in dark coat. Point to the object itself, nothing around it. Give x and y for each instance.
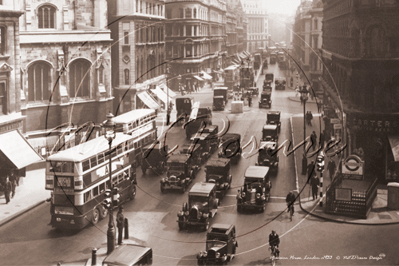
(314, 182)
(322, 139)
(331, 168)
(120, 223)
(7, 190)
(311, 171)
(313, 138)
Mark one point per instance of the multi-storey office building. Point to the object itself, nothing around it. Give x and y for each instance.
(195, 38)
(307, 41)
(138, 51)
(257, 31)
(361, 81)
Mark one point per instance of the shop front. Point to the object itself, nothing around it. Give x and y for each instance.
(375, 137)
(15, 154)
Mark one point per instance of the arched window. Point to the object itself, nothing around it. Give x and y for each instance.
(79, 78)
(46, 17)
(142, 68)
(127, 78)
(195, 13)
(39, 82)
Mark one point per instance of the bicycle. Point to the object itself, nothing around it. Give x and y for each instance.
(274, 254)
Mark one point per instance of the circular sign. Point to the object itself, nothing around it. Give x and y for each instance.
(352, 163)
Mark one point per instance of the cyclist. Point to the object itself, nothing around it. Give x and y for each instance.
(274, 241)
(290, 199)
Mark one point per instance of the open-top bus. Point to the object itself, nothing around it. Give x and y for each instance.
(141, 125)
(79, 177)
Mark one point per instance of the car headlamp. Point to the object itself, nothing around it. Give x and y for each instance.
(217, 255)
(257, 195)
(243, 194)
(186, 213)
(205, 215)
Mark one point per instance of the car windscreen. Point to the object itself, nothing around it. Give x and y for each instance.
(175, 166)
(198, 200)
(214, 243)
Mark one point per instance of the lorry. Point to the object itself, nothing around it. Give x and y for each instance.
(184, 104)
(218, 172)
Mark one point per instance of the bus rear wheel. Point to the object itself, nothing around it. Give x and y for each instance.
(95, 217)
(103, 212)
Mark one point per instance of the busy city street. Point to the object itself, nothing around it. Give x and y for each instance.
(203, 132)
(152, 215)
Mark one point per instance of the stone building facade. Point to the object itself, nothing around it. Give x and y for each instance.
(195, 38)
(65, 67)
(361, 81)
(236, 28)
(258, 25)
(138, 50)
(11, 117)
(307, 42)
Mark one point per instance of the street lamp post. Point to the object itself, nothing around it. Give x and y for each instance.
(304, 98)
(167, 95)
(109, 133)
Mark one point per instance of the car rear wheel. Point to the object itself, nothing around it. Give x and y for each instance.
(263, 208)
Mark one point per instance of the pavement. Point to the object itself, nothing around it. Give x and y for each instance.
(31, 192)
(380, 214)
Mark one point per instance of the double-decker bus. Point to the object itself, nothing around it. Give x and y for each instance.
(79, 176)
(231, 78)
(141, 125)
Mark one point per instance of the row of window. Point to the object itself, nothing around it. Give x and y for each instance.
(197, 13)
(148, 68)
(99, 189)
(147, 34)
(40, 80)
(149, 8)
(187, 30)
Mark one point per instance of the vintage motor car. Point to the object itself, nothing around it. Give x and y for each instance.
(202, 206)
(221, 91)
(194, 150)
(154, 157)
(256, 190)
(184, 105)
(280, 83)
(203, 140)
(181, 172)
(267, 155)
(267, 88)
(253, 91)
(218, 103)
(221, 245)
(213, 131)
(230, 145)
(269, 77)
(270, 133)
(218, 172)
(265, 101)
(273, 118)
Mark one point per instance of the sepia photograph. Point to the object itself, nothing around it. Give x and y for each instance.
(199, 132)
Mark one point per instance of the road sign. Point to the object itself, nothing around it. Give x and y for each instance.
(337, 126)
(334, 121)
